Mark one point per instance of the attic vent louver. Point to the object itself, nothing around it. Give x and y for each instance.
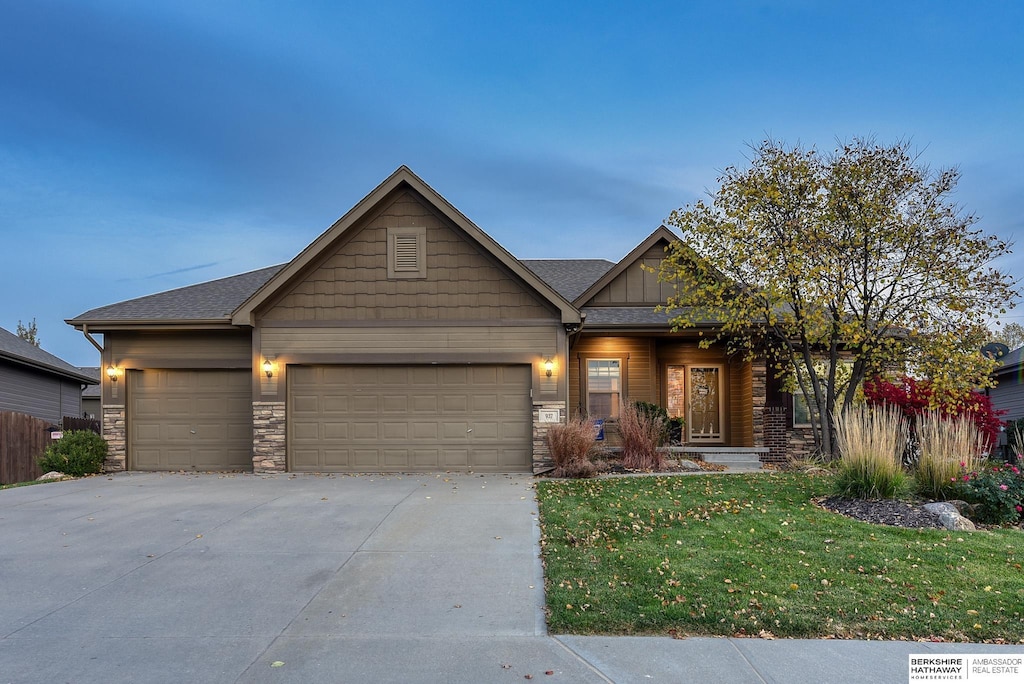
(407, 252)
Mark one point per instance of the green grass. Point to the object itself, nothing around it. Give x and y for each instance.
(733, 555)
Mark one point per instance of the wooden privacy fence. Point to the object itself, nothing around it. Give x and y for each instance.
(72, 423)
(23, 439)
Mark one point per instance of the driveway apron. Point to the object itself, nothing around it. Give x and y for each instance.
(172, 577)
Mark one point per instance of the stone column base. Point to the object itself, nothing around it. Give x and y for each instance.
(115, 432)
(268, 437)
(542, 461)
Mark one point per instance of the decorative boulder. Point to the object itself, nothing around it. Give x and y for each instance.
(949, 516)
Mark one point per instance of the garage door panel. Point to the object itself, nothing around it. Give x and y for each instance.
(411, 418)
(305, 403)
(392, 430)
(189, 420)
(395, 404)
(365, 430)
(422, 403)
(334, 431)
(454, 403)
(336, 405)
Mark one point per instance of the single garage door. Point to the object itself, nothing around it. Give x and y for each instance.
(409, 418)
(190, 420)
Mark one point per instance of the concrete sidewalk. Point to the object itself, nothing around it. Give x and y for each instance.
(247, 578)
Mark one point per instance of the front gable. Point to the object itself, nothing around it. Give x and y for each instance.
(634, 279)
(404, 253)
(405, 260)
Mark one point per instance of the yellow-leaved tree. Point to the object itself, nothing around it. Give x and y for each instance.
(855, 258)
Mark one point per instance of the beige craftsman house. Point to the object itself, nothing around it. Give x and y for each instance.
(404, 338)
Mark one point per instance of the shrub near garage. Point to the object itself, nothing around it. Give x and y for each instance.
(77, 453)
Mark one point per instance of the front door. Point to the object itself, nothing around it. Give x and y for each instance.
(695, 393)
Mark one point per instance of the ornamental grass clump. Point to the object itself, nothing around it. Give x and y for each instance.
(871, 442)
(642, 433)
(948, 446)
(571, 444)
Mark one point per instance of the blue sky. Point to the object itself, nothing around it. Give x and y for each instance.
(150, 145)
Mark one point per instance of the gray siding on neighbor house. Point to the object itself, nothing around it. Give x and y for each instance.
(1008, 396)
(38, 394)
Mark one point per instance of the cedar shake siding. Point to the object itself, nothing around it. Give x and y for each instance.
(461, 283)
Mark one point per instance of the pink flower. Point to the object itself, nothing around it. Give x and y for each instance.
(1003, 487)
(962, 464)
(967, 478)
(1016, 470)
(1020, 509)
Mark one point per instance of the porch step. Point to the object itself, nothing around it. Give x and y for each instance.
(738, 459)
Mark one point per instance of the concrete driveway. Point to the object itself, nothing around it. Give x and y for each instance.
(247, 578)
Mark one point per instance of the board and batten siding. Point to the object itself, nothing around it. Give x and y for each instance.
(39, 394)
(462, 282)
(637, 285)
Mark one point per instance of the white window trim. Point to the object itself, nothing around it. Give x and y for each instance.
(586, 377)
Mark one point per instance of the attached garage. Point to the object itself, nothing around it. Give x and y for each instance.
(190, 419)
(400, 418)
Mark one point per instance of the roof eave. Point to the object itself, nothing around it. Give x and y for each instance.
(101, 325)
(85, 379)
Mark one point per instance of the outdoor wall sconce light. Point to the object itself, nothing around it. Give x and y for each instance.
(549, 366)
(112, 373)
(268, 368)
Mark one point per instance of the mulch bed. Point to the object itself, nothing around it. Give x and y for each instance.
(882, 512)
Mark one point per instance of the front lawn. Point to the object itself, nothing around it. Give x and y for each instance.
(752, 555)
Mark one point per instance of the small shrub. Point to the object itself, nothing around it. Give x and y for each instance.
(995, 491)
(871, 442)
(642, 433)
(570, 444)
(77, 453)
(946, 445)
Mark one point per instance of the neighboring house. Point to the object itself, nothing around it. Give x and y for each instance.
(1008, 394)
(37, 383)
(405, 338)
(91, 394)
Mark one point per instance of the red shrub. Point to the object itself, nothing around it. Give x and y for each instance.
(914, 397)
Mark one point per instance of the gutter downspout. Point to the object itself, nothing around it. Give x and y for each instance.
(92, 340)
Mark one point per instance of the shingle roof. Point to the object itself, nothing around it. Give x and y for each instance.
(92, 390)
(569, 277)
(206, 301)
(15, 349)
(632, 315)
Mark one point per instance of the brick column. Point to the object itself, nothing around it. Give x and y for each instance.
(542, 460)
(115, 432)
(268, 437)
(776, 436)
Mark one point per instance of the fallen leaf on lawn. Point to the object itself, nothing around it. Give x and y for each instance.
(529, 676)
(550, 672)
(277, 663)
(506, 667)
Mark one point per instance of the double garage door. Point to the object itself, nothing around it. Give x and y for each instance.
(409, 418)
